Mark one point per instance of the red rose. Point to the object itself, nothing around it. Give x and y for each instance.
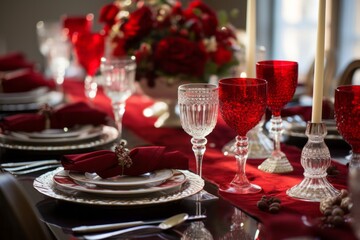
(108, 15)
(204, 14)
(139, 24)
(221, 56)
(176, 55)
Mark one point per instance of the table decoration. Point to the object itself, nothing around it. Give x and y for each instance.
(119, 77)
(315, 156)
(14, 61)
(150, 29)
(199, 104)
(242, 104)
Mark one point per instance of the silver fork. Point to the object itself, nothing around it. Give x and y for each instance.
(31, 170)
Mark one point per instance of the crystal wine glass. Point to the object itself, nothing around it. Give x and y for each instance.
(77, 23)
(242, 104)
(89, 49)
(119, 84)
(282, 77)
(198, 105)
(347, 117)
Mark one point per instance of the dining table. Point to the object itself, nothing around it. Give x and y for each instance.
(229, 216)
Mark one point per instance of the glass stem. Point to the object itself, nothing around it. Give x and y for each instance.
(90, 87)
(199, 147)
(118, 110)
(355, 160)
(276, 131)
(241, 154)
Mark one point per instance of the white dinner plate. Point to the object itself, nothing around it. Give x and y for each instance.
(108, 135)
(23, 97)
(52, 98)
(45, 185)
(124, 182)
(87, 133)
(60, 133)
(64, 182)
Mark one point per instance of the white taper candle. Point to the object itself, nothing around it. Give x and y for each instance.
(251, 38)
(318, 86)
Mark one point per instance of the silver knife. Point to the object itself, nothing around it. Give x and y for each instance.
(114, 226)
(39, 162)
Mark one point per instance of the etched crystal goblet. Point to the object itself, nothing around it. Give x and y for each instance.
(119, 84)
(198, 105)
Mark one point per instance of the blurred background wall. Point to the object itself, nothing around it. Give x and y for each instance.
(18, 19)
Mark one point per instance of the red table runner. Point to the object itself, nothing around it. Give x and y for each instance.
(219, 169)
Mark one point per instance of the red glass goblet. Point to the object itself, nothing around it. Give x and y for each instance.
(77, 23)
(89, 49)
(347, 116)
(282, 78)
(242, 103)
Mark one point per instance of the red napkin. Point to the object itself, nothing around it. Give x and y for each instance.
(305, 111)
(144, 159)
(26, 82)
(66, 116)
(13, 61)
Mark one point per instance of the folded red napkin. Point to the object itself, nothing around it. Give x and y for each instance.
(25, 82)
(13, 61)
(66, 116)
(144, 159)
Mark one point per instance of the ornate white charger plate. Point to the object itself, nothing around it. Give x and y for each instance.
(45, 185)
(65, 183)
(108, 135)
(146, 180)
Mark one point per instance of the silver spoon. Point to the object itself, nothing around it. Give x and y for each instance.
(166, 224)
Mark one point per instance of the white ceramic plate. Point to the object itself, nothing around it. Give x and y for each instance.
(60, 133)
(52, 98)
(107, 136)
(64, 182)
(23, 97)
(45, 185)
(129, 182)
(88, 133)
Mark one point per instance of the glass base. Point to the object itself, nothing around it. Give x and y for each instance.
(313, 190)
(202, 196)
(260, 145)
(278, 164)
(241, 189)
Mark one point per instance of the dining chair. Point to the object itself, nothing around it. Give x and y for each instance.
(329, 73)
(346, 77)
(18, 218)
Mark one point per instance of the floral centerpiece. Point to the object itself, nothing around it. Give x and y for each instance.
(169, 40)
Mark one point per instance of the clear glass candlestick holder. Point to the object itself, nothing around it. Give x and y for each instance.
(315, 159)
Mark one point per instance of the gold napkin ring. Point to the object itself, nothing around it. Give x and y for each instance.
(123, 155)
(46, 111)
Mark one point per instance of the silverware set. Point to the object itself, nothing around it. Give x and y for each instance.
(21, 168)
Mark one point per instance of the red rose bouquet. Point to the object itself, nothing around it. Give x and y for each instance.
(169, 40)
